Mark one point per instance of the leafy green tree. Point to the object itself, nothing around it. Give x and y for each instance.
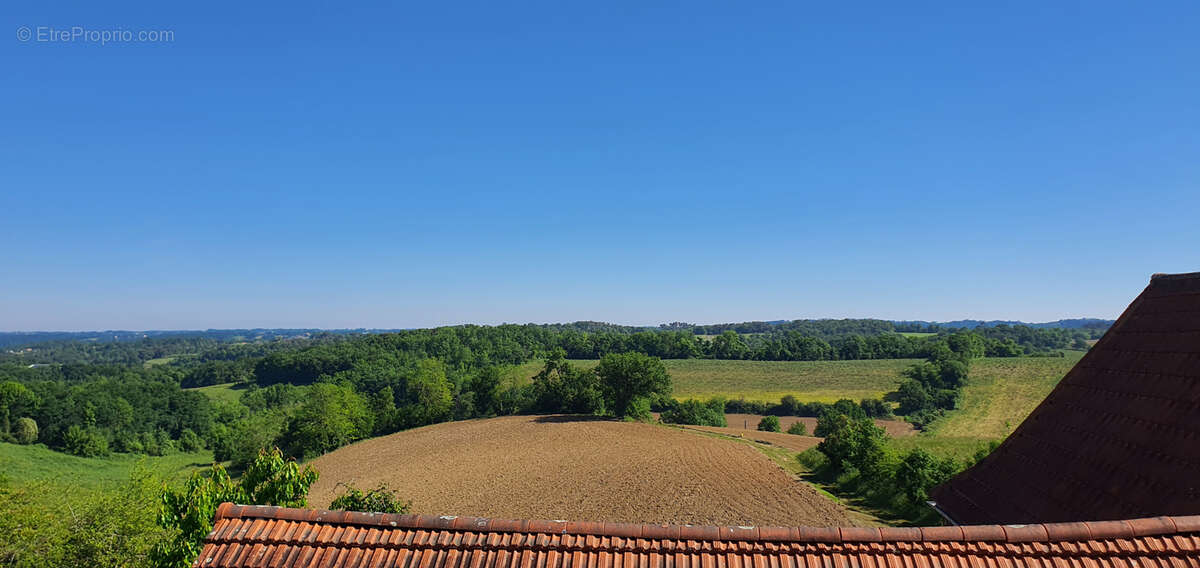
(378, 500)
(429, 394)
(848, 442)
(919, 472)
(691, 411)
(769, 424)
(187, 512)
(189, 442)
(630, 377)
(26, 431)
(913, 397)
(85, 442)
(729, 345)
(16, 400)
(562, 387)
(875, 408)
(332, 417)
(798, 428)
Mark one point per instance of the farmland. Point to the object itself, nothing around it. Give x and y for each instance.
(1001, 393)
(577, 468)
(809, 381)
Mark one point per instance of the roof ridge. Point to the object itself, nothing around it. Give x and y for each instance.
(1047, 532)
(1177, 276)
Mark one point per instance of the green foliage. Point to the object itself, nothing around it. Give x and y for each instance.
(189, 442)
(769, 424)
(562, 387)
(378, 500)
(919, 472)
(695, 412)
(632, 377)
(25, 431)
(331, 417)
(46, 524)
(428, 394)
(875, 408)
(187, 512)
(85, 442)
(798, 428)
(16, 400)
(851, 442)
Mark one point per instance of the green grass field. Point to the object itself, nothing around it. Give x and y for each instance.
(808, 381)
(228, 392)
(1001, 392)
(23, 464)
(917, 334)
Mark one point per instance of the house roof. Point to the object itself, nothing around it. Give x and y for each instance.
(1119, 437)
(273, 537)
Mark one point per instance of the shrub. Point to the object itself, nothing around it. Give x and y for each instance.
(26, 431)
(378, 500)
(189, 442)
(769, 424)
(798, 428)
(875, 408)
(85, 442)
(711, 413)
(187, 512)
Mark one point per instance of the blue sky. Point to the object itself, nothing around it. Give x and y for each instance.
(637, 162)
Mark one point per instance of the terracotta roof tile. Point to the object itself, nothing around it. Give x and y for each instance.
(270, 537)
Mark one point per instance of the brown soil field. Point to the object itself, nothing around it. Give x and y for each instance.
(577, 468)
(781, 439)
(743, 422)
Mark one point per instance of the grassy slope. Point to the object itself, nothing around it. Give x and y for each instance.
(228, 392)
(23, 464)
(1001, 393)
(808, 381)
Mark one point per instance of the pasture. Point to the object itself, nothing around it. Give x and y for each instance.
(566, 467)
(808, 381)
(23, 464)
(225, 393)
(1000, 393)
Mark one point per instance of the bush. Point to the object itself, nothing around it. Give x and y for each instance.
(875, 408)
(26, 431)
(48, 524)
(711, 413)
(187, 512)
(378, 500)
(85, 442)
(769, 424)
(189, 442)
(798, 428)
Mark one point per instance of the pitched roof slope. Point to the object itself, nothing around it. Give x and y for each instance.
(271, 537)
(1118, 438)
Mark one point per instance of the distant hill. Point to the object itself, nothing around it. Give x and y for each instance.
(814, 327)
(1077, 323)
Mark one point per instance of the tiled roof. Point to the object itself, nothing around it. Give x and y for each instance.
(1119, 437)
(272, 537)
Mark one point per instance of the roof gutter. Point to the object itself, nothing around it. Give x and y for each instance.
(935, 507)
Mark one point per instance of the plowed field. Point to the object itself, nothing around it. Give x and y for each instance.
(553, 467)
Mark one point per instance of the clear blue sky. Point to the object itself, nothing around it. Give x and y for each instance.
(637, 162)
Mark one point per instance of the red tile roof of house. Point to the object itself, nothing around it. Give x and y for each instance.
(1119, 437)
(272, 537)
